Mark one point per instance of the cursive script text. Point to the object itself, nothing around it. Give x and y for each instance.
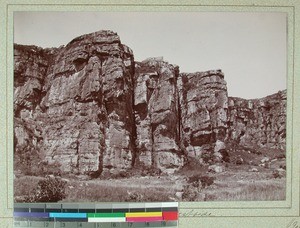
(193, 213)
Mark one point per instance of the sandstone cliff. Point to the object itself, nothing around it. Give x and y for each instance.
(258, 122)
(89, 108)
(157, 114)
(203, 100)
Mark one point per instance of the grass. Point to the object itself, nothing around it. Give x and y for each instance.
(259, 190)
(25, 186)
(118, 191)
(161, 189)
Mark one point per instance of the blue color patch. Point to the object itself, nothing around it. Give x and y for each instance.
(68, 215)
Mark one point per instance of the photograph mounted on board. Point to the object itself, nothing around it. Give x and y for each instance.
(106, 108)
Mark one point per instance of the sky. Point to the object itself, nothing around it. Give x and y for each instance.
(250, 48)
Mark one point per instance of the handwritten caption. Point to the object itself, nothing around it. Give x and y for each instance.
(194, 213)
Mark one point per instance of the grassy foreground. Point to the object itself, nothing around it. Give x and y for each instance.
(230, 185)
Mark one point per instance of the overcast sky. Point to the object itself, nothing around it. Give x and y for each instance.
(250, 48)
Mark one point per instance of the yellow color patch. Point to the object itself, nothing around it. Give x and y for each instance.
(143, 214)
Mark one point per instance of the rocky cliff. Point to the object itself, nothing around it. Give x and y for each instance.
(258, 122)
(204, 104)
(89, 108)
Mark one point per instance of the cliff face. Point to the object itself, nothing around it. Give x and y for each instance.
(203, 100)
(86, 104)
(258, 122)
(88, 108)
(157, 114)
(89, 105)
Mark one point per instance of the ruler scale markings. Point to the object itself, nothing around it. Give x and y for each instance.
(71, 219)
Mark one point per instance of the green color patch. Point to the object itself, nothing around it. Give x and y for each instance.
(105, 215)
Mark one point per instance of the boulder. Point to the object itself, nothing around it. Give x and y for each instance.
(216, 168)
(253, 170)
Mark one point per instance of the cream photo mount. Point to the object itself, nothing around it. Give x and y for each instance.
(212, 214)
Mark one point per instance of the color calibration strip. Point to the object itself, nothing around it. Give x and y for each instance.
(141, 214)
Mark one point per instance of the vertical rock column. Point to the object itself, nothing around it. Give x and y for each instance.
(119, 131)
(157, 118)
(203, 100)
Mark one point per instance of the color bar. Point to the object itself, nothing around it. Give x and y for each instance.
(67, 215)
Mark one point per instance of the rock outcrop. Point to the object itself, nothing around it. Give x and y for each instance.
(203, 100)
(157, 114)
(86, 105)
(89, 108)
(258, 122)
(31, 64)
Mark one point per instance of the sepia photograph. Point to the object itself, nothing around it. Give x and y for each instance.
(149, 106)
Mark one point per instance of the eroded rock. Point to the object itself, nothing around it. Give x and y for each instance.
(258, 122)
(157, 114)
(203, 99)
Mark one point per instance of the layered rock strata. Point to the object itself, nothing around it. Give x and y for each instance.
(88, 108)
(87, 105)
(203, 99)
(258, 122)
(157, 114)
